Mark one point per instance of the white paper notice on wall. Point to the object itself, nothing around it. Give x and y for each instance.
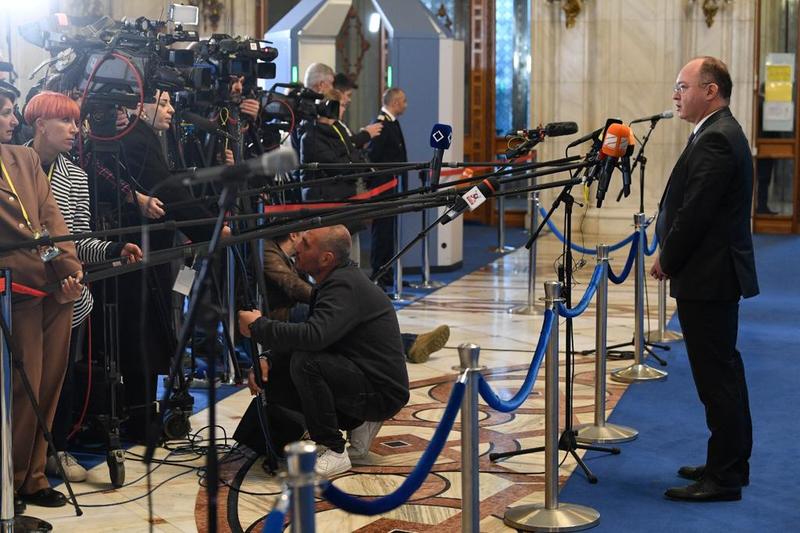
(777, 111)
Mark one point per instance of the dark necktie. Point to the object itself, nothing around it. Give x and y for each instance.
(691, 138)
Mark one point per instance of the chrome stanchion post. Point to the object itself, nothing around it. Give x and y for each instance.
(638, 371)
(6, 468)
(662, 334)
(530, 307)
(426, 261)
(230, 372)
(602, 432)
(501, 247)
(552, 516)
(470, 438)
(302, 480)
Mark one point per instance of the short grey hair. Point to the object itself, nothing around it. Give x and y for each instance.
(391, 94)
(317, 73)
(337, 240)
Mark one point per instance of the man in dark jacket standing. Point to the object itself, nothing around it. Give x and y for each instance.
(388, 147)
(347, 359)
(707, 253)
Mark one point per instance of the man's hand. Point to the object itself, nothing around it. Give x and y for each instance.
(71, 288)
(131, 252)
(245, 319)
(150, 206)
(656, 272)
(373, 129)
(252, 384)
(249, 107)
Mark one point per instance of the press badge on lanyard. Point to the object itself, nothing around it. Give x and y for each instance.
(47, 252)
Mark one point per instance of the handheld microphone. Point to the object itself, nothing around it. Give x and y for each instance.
(553, 129)
(282, 159)
(472, 199)
(441, 137)
(596, 134)
(208, 126)
(653, 118)
(615, 144)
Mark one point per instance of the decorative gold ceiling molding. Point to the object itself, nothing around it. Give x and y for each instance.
(571, 8)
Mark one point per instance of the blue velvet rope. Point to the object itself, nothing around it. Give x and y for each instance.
(628, 264)
(384, 504)
(650, 249)
(564, 311)
(506, 406)
(579, 248)
(274, 521)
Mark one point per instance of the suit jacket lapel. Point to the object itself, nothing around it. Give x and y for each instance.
(10, 163)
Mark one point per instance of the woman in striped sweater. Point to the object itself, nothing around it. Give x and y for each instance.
(54, 118)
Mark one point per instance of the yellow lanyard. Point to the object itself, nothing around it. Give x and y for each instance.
(50, 172)
(21, 205)
(345, 143)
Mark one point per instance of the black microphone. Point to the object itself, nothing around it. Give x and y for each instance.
(553, 129)
(208, 126)
(472, 199)
(441, 137)
(625, 167)
(282, 159)
(653, 118)
(615, 146)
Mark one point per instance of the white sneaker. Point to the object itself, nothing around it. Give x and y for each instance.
(330, 463)
(361, 439)
(72, 469)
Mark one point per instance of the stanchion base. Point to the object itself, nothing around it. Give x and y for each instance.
(608, 433)
(668, 336)
(638, 373)
(565, 517)
(427, 285)
(526, 310)
(30, 524)
(501, 249)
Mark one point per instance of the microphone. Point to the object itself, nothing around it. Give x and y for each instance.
(615, 145)
(553, 129)
(595, 134)
(653, 118)
(472, 199)
(625, 167)
(208, 126)
(441, 137)
(282, 159)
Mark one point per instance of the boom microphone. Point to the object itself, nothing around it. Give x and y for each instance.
(282, 159)
(441, 137)
(553, 129)
(653, 118)
(615, 145)
(472, 199)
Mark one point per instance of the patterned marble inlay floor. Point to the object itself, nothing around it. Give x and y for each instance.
(475, 307)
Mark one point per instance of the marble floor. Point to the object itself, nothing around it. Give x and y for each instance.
(476, 309)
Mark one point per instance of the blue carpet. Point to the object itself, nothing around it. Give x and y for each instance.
(672, 429)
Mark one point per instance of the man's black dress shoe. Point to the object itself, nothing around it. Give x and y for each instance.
(695, 473)
(704, 490)
(19, 504)
(45, 498)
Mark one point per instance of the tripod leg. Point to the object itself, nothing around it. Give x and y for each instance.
(661, 361)
(589, 476)
(604, 449)
(503, 455)
(657, 345)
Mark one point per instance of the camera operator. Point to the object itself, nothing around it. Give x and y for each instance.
(54, 119)
(347, 359)
(147, 167)
(41, 326)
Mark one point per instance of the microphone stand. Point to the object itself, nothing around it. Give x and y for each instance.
(567, 442)
(613, 350)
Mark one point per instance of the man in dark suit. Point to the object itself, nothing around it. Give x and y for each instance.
(388, 147)
(707, 254)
